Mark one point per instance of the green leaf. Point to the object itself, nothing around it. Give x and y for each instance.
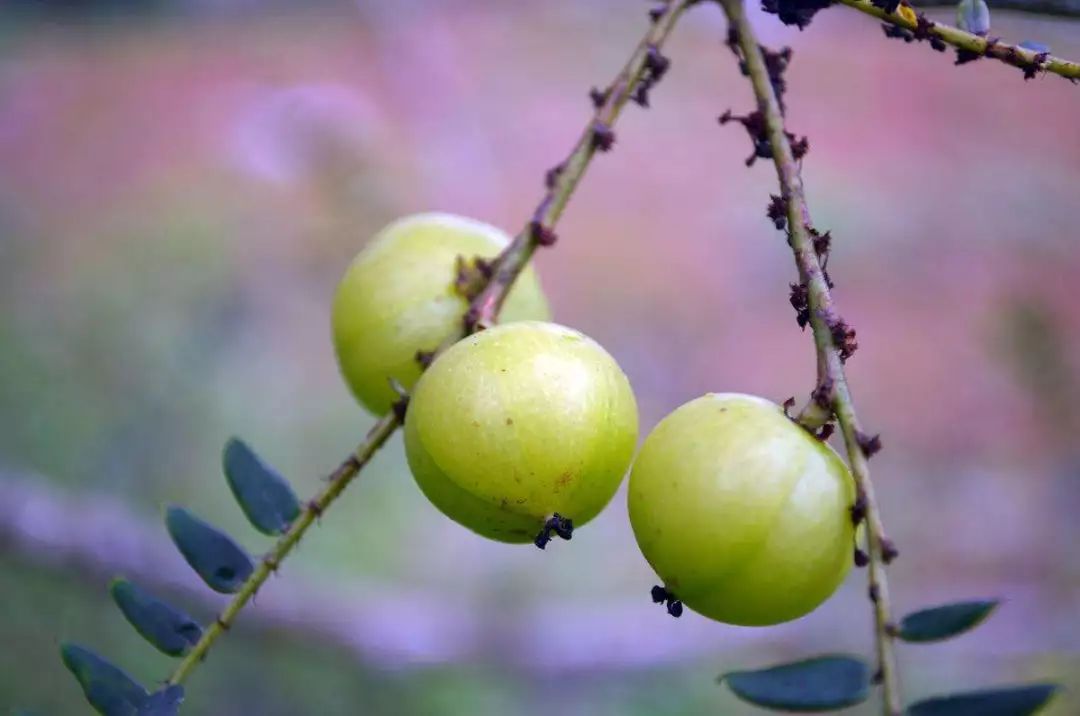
(264, 495)
(823, 683)
(164, 703)
(945, 621)
(1010, 701)
(167, 629)
(108, 689)
(221, 563)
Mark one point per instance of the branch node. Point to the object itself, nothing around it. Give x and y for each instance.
(889, 552)
(861, 558)
(599, 97)
(400, 407)
(603, 137)
(551, 178)
(858, 509)
(800, 301)
(869, 444)
(542, 235)
(843, 337)
(777, 211)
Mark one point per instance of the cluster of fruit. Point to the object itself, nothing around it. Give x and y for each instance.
(526, 430)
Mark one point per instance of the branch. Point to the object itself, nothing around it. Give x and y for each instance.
(641, 72)
(644, 68)
(969, 47)
(834, 341)
(1060, 8)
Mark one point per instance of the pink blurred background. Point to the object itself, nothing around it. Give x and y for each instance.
(179, 193)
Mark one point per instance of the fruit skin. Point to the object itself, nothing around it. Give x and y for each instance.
(742, 513)
(518, 422)
(397, 297)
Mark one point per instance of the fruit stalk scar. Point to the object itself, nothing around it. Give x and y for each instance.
(560, 526)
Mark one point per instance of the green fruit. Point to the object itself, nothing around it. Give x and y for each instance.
(742, 513)
(398, 297)
(519, 422)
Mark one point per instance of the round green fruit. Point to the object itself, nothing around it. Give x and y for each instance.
(520, 422)
(398, 297)
(743, 514)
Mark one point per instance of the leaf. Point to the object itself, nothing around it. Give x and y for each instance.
(946, 621)
(1009, 701)
(221, 563)
(167, 629)
(264, 495)
(108, 689)
(164, 703)
(822, 683)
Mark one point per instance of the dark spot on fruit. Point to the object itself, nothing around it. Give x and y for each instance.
(509, 421)
(476, 423)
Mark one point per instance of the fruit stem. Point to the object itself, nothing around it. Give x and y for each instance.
(827, 341)
(483, 310)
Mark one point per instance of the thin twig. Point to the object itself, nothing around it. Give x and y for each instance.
(337, 483)
(973, 46)
(823, 320)
(645, 63)
(483, 310)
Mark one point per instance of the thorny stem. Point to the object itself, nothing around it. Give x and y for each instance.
(563, 178)
(1027, 60)
(483, 310)
(831, 368)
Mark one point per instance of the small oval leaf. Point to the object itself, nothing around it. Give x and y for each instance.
(1010, 701)
(108, 689)
(164, 703)
(221, 563)
(823, 683)
(263, 494)
(167, 629)
(948, 620)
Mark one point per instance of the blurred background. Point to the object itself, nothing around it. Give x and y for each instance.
(182, 186)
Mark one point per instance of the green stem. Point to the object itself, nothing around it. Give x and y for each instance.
(483, 311)
(336, 484)
(1010, 54)
(830, 366)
